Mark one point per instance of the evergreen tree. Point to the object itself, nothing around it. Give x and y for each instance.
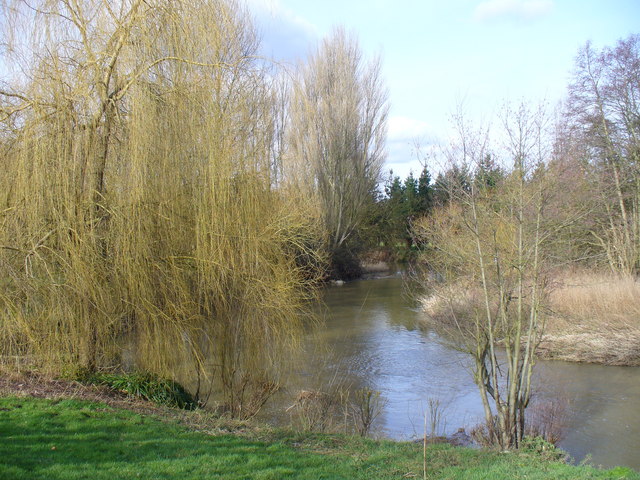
(405, 200)
(425, 192)
(454, 178)
(489, 174)
(410, 196)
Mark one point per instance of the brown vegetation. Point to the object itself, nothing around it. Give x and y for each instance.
(562, 199)
(337, 141)
(594, 318)
(315, 410)
(602, 131)
(489, 240)
(590, 317)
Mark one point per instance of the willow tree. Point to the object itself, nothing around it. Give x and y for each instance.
(337, 133)
(487, 245)
(139, 219)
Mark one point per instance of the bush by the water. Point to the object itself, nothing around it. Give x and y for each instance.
(542, 449)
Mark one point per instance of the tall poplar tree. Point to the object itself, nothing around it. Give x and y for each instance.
(338, 128)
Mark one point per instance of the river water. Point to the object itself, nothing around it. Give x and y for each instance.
(372, 337)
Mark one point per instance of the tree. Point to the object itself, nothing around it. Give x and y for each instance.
(486, 244)
(604, 117)
(489, 174)
(338, 128)
(394, 204)
(393, 188)
(425, 192)
(402, 204)
(455, 178)
(140, 223)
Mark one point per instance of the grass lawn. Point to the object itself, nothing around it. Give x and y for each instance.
(72, 439)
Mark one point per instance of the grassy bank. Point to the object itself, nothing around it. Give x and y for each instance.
(78, 439)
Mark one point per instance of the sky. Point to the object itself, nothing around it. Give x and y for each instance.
(438, 54)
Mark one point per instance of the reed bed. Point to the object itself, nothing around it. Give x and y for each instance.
(589, 316)
(595, 317)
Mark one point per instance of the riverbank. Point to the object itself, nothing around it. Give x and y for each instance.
(56, 429)
(590, 317)
(593, 318)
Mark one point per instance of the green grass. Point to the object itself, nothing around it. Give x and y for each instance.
(71, 439)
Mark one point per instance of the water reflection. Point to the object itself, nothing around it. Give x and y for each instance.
(372, 338)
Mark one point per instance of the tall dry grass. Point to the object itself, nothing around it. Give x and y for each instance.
(594, 317)
(589, 316)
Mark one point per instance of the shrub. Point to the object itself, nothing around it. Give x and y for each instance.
(366, 405)
(143, 385)
(540, 447)
(314, 410)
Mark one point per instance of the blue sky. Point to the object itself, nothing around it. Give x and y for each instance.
(439, 53)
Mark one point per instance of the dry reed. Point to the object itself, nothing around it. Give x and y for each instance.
(595, 317)
(590, 317)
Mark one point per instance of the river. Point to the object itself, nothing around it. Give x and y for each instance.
(372, 337)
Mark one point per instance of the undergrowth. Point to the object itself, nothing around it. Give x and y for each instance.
(144, 385)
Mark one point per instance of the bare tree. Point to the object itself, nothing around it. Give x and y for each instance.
(604, 113)
(338, 128)
(486, 243)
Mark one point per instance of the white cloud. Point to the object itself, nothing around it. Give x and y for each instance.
(405, 128)
(518, 10)
(404, 136)
(285, 35)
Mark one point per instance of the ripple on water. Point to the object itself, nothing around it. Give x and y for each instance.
(372, 337)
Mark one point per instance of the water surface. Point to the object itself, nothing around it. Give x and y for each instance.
(372, 337)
